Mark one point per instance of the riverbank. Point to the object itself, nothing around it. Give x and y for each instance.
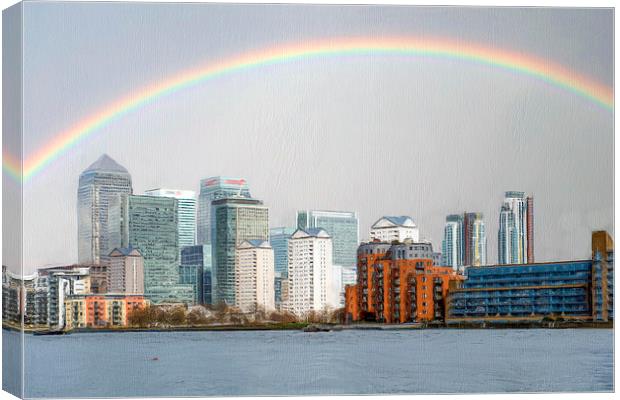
(308, 327)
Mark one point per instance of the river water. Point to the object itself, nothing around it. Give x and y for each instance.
(298, 363)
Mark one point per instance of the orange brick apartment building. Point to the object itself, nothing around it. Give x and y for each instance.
(101, 310)
(398, 283)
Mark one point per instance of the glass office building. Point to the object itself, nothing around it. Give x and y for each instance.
(196, 269)
(150, 224)
(278, 238)
(215, 188)
(98, 184)
(343, 228)
(186, 209)
(235, 219)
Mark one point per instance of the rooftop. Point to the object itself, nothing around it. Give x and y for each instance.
(106, 163)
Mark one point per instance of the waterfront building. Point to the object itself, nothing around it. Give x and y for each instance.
(186, 213)
(60, 283)
(22, 298)
(254, 275)
(394, 228)
(309, 271)
(126, 271)
(341, 226)
(101, 310)
(215, 188)
(98, 184)
(397, 284)
(516, 222)
(452, 245)
(575, 290)
(150, 224)
(236, 219)
(198, 270)
(278, 238)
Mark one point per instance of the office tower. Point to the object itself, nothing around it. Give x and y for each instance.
(235, 219)
(309, 271)
(278, 238)
(211, 189)
(186, 206)
(390, 228)
(341, 226)
(150, 224)
(197, 260)
(452, 245)
(474, 240)
(98, 184)
(126, 271)
(515, 220)
(254, 274)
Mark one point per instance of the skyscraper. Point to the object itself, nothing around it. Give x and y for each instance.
(452, 245)
(150, 224)
(516, 221)
(186, 200)
(211, 189)
(278, 238)
(530, 229)
(98, 184)
(465, 241)
(474, 239)
(235, 219)
(198, 259)
(341, 226)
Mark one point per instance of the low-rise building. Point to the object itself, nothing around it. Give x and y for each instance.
(100, 311)
(572, 290)
(394, 228)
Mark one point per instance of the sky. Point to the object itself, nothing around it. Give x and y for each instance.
(378, 134)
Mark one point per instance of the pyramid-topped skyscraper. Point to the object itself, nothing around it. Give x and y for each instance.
(99, 183)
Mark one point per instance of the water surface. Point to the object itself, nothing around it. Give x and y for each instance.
(297, 363)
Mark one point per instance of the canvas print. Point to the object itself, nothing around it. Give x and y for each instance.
(203, 199)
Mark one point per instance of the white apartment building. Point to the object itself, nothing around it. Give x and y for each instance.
(310, 271)
(390, 228)
(254, 276)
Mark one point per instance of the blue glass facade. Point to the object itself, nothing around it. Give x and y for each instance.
(528, 291)
(278, 238)
(196, 269)
(342, 226)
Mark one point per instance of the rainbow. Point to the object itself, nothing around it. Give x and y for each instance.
(544, 70)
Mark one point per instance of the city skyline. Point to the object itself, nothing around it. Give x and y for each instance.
(379, 134)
